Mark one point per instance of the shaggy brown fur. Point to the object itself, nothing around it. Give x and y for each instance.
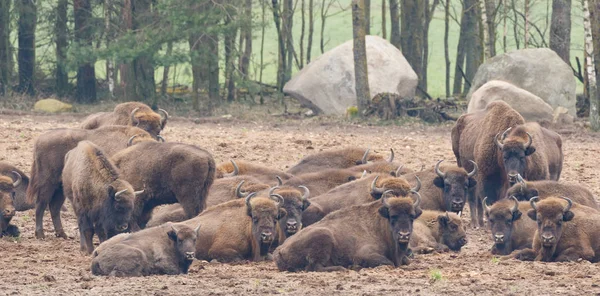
(333, 159)
(524, 191)
(323, 181)
(170, 173)
(7, 210)
(234, 231)
(261, 173)
(437, 231)
(368, 235)
(295, 202)
(102, 201)
(167, 249)
(20, 202)
(49, 151)
(143, 118)
(509, 229)
(382, 167)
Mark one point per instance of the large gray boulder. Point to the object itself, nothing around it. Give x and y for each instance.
(531, 107)
(326, 85)
(538, 70)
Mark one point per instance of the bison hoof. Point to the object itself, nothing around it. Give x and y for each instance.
(61, 234)
(40, 234)
(11, 230)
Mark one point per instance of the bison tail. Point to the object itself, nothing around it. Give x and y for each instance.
(210, 177)
(33, 187)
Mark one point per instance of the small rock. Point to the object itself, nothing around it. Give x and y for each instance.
(52, 106)
(49, 278)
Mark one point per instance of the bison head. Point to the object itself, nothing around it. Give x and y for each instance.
(521, 190)
(265, 213)
(7, 195)
(149, 121)
(514, 152)
(400, 213)
(501, 217)
(452, 230)
(294, 203)
(142, 137)
(550, 214)
(121, 198)
(184, 239)
(455, 183)
(398, 186)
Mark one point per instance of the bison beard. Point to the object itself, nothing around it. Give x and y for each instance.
(7, 210)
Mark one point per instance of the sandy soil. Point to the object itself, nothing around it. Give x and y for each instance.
(56, 267)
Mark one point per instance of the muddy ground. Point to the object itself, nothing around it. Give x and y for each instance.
(56, 267)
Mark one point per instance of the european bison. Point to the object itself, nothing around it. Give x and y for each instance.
(333, 159)
(20, 200)
(167, 249)
(242, 168)
(294, 204)
(368, 235)
(510, 231)
(323, 181)
(168, 173)
(525, 190)
(388, 166)
(101, 199)
(437, 231)
(131, 114)
(49, 150)
(566, 231)
(243, 229)
(7, 210)
(474, 138)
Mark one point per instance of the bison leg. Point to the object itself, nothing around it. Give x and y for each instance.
(58, 199)
(370, 256)
(225, 255)
(575, 253)
(473, 210)
(86, 234)
(11, 230)
(43, 198)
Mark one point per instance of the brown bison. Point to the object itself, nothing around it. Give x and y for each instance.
(243, 229)
(437, 231)
(510, 231)
(8, 186)
(20, 201)
(167, 249)
(525, 190)
(389, 166)
(101, 199)
(446, 188)
(368, 235)
(294, 204)
(323, 181)
(262, 173)
(566, 231)
(132, 114)
(169, 173)
(49, 150)
(333, 159)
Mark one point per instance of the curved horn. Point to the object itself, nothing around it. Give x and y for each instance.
(391, 155)
(437, 170)
(521, 180)
(279, 199)
(418, 187)
(273, 189)
(279, 181)
(364, 173)
(238, 190)
(130, 141)
(197, 230)
(474, 171)
(398, 170)
(306, 192)
(133, 119)
(375, 189)
(119, 193)
(364, 158)
(138, 192)
(19, 179)
(500, 145)
(530, 140)
(532, 202)
(160, 138)
(384, 198)
(485, 205)
(505, 133)
(164, 118)
(249, 197)
(174, 229)
(516, 206)
(418, 201)
(236, 170)
(569, 204)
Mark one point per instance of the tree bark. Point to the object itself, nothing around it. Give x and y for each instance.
(489, 11)
(229, 43)
(460, 53)
(4, 46)
(446, 47)
(395, 21)
(60, 27)
(412, 36)
(247, 32)
(126, 69)
(281, 62)
(360, 56)
(368, 17)
(86, 75)
(560, 29)
(311, 29)
(323, 19)
(143, 64)
(485, 31)
(526, 24)
(302, 29)
(474, 48)
(592, 42)
(110, 64)
(262, 47)
(383, 21)
(26, 55)
(166, 68)
(288, 19)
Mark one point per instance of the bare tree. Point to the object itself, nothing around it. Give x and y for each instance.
(281, 42)
(446, 49)
(86, 74)
(110, 65)
(60, 32)
(395, 20)
(4, 46)
(26, 56)
(383, 21)
(368, 17)
(360, 56)
(412, 38)
(166, 69)
(560, 29)
(526, 33)
(592, 46)
(246, 37)
(302, 29)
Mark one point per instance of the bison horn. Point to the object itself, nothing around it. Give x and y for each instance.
(133, 119)
(238, 190)
(174, 229)
(273, 189)
(530, 140)
(164, 117)
(197, 230)
(236, 170)
(505, 133)
(306, 192)
(363, 174)
(364, 158)
(500, 145)
(384, 198)
(521, 180)
(532, 202)
(418, 201)
(398, 170)
(391, 155)
(279, 199)
(418, 187)
(249, 197)
(138, 192)
(19, 179)
(374, 188)
(569, 204)
(516, 206)
(119, 193)
(279, 181)
(437, 170)
(485, 205)
(474, 171)
(160, 138)
(130, 141)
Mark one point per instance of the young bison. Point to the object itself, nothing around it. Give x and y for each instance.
(509, 230)
(368, 235)
(333, 159)
(130, 114)
(167, 249)
(7, 210)
(525, 190)
(101, 200)
(437, 231)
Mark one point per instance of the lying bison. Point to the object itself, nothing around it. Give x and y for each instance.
(333, 159)
(243, 229)
(168, 173)
(525, 190)
(167, 249)
(131, 114)
(369, 235)
(101, 199)
(8, 186)
(294, 204)
(510, 231)
(20, 200)
(243, 168)
(323, 181)
(437, 231)
(49, 150)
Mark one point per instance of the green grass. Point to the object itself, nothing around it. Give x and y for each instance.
(435, 275)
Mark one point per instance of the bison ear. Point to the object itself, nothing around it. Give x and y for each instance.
(111, 191)
(472, 182)
(438, 182)
(532, 214)
(516, 215)
(530, 150)
(568, 216)
(443, 220)
(282, 213)
(384, 212)
(249, 211)
(418, 213)
(172, 235)
(305, 205)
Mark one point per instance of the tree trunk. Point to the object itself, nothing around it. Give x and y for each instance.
(515, 24)
(86, 75)
(446, 48)
(323, 18)
(26, 56)
(560, 29)
(485, 31)
(474, 48)
(302, 29)
(395, 20)
(429, 11)
(460, 54)
(360, 56)
(143, 64)
(311, 29)
(229, 43)
(247, 37)
(281, 62)
(110, 65)
(262, 47)
(62, 78)
(288, 19)
(383, 21)
(4, 46)
(127, 73)
(592, 21)
(489, 7)
(368, 17)
(166, 68)
(412, 36)
(526, 23)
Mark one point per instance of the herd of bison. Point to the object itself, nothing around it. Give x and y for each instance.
(158, 205)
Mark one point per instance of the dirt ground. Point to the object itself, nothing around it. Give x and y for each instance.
(56, 267)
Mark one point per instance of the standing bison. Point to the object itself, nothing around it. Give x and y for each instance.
(333, 159)
(131, 114)
(7, 210)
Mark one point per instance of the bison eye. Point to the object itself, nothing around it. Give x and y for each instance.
(453, 227)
